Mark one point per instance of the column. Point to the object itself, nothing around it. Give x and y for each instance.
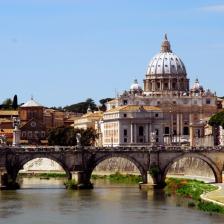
(178, 124)
(150, 131)
(153, 85)
(181, 124)
(135, 133)
(169, 84)
(132, 133)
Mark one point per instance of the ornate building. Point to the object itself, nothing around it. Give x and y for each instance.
(166, 89)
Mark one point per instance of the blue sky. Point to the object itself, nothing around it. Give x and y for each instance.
(64, 51)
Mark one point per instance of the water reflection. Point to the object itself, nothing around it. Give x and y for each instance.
(105, 204)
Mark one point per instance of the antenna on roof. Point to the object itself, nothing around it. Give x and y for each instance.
(115, 91)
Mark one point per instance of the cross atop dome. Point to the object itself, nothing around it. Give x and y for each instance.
(165, 47)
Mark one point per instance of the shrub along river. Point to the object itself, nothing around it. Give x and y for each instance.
(46, 201)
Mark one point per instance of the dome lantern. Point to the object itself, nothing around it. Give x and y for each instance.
(165, 47)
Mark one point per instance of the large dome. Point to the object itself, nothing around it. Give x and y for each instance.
(166, 62)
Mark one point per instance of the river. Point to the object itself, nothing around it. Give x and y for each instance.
(47, 202)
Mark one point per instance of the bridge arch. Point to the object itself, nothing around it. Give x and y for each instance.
(26, 159)
(217, 173)
(96, 161)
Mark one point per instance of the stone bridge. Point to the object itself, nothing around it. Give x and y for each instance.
(79, 162)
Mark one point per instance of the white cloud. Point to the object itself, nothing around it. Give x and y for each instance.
(213, 8)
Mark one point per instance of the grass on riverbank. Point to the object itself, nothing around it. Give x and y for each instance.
(192, 189)
(119, 178)
(43, 175)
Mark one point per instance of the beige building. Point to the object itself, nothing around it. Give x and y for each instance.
(166, 87)
(132, 124)
(91, 120)
(88, 120)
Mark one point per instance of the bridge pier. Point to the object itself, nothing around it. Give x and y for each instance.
(3, 179)
(159, 181)
(219, 178)
(82, 178)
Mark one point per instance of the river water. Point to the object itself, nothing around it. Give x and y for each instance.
(47, 202)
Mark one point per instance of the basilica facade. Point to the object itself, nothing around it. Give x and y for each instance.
(165, 111)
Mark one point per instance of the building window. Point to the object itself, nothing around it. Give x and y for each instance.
(125, 140)
(29, 134)
(23, 134)
(208, 101)
(185, 131)
(195, 102)
(125, 102)
(174, 102)
(36, 134)
(156, 115)
(174, 85)
(125, 115)
(167, 131)
(125, 132)
(141, 131)
(158, 102)
(42, 134)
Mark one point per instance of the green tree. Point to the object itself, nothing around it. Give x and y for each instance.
(217, 119)
(66, 136)
(7, 103)
(88, 136)
(82, 107)
(15, 102)
(103, 103)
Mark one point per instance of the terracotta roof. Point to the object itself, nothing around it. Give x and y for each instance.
(96, 114)
(134, 108)
(8, 113)
(6, 131)
(5, 120)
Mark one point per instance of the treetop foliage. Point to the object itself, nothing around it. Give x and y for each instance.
(66, 136)
(82, 107)
(217, 119)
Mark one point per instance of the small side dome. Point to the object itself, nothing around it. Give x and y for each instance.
(135, 87)
(197, 87)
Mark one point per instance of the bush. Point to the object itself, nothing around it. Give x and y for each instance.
(70, 184)
(210, 207)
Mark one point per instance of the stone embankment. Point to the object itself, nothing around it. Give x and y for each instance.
(216, 197)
